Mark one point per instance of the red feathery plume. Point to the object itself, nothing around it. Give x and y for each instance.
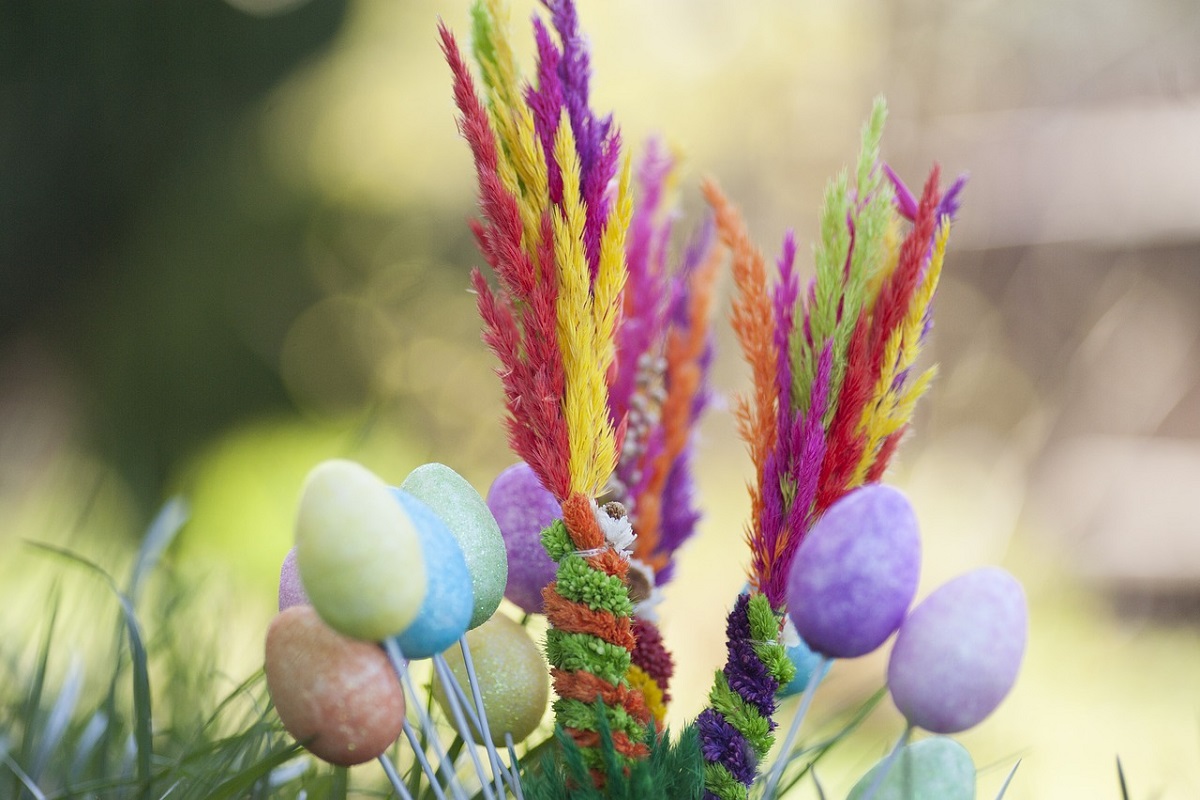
(886, 451)
(864, 356)
(519, 320)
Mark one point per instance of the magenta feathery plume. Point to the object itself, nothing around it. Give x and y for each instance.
(546, 102)
(679, 513)
(785, 296)
(645, 288)
(804, 454)
(598, 142)
(906, 201)
(563, 77)
(664, 348)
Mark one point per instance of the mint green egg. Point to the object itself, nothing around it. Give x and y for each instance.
(471, 523)
(931, 769)
(358, 552)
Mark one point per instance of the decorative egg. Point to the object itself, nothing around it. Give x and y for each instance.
(513, 678)
(855, 573)
(523, 508)
(472, 525)
(336, 695)
(291, 590)
(957, 655)
(447, 606)
(931, 769)
(358, 552)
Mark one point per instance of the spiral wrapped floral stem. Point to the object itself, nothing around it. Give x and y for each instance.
(737, 729)
(591, 637)
(833, 393)
(554, 189)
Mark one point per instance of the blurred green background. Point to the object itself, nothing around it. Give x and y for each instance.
(233, 243)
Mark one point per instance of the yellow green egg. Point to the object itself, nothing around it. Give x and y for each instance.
(358, 552)
(513, 678)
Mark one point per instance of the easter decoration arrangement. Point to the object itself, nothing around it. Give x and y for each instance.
(602, 329)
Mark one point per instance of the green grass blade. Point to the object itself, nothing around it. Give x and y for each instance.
(413, 781)
(534, 754)
(142, 732)
(97, 787)
(341, 784)
(245, 780)
(817, 783)
(85, 745)
(1008, 780)
(159, 536)
(143, 735)
(239, 691)
(22, 779)
(59, 718)
(822, 748)
(286, 773)
(31, 709)
(1121, 778)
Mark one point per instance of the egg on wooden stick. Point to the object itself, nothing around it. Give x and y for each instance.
(523, 508)
(449, 601)
(855, 573)
(358, 552)
(470, 522)
(334, 694)
(511, 676)
(957, 655)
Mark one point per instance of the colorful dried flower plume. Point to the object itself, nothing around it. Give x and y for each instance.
(658, 392)
(833, 394)
(555, 215)
(664, 348)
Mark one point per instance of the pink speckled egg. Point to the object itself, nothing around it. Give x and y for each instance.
(336, 695)
(291, 589)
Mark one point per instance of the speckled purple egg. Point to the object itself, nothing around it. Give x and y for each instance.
(522, 508)
(291, 590)
(855, 573)
(957, 655)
